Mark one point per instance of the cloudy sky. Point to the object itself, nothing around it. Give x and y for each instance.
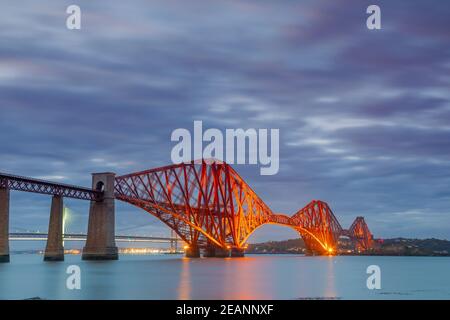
(364, 116)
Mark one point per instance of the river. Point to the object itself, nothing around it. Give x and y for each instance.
(252, 277)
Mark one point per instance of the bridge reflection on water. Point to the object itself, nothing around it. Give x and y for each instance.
(250, 277)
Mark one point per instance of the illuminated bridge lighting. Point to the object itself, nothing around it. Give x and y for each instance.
(208, 203)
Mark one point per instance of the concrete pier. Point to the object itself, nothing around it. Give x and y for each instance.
(54, 250)
(213, 251)
(4, 225)
(192, 251)
(222, 252)
(237, 253)
(100, 242)
(209, 251)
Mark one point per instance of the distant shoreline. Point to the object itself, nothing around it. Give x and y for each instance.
(384, 247)
(262, 254)
(401, 247)
(352, 255)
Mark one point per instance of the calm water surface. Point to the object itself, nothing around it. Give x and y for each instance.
(252, 277)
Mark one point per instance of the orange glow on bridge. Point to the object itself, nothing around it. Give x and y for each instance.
(207, 203)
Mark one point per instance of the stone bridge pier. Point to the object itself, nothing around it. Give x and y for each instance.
(100, 242)
(54, 251)
(4, 224)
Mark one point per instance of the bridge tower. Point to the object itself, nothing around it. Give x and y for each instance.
(4, 224)
(100, 242)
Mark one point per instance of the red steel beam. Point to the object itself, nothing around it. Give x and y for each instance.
(206, 201)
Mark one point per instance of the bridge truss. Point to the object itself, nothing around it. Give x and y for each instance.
(207, 203)
(359, 231)
(20, 183)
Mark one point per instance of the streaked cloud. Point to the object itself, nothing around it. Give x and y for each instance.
(363, 116)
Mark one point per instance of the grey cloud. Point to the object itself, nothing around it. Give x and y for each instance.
(115, 91)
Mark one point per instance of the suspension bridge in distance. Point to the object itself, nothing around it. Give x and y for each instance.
(205, 203)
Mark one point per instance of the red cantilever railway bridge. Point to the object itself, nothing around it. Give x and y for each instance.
(209, 205)
(205, 202)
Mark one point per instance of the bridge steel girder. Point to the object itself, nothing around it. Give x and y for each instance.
(25, 184)
(360, 234)
(318, 226)
(205, 203)
(211, 207)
